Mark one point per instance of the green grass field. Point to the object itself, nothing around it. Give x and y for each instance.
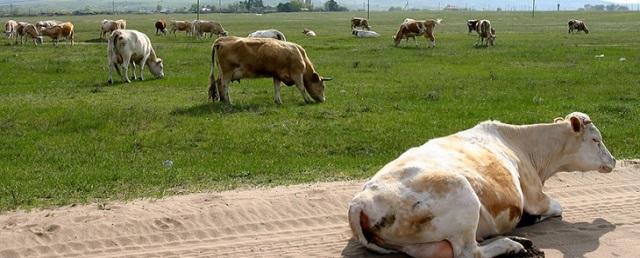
(68, 137)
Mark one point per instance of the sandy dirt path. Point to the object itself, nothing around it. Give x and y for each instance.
(601, 219)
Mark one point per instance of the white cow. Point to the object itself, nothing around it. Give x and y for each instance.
(308, 32)
(10, 28)
(365, 33)
(132, 46)
(270, 33)
(439, 199)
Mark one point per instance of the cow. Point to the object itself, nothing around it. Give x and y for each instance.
(61, 30)
(411, 28)
(19, 30)
(161, 27)
(202, 27)
(30, 31)
(471, 24)
(362, 23)
(439, 199)
(185, 26)
(270, 33)
(46, 24)
(485, 31)
(108, 26)
(309, 33)
(10, 29)
(131, 46)
(578, 26)
(287, 62)
(365, 34)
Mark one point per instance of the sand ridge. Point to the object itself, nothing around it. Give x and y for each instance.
(601, 219)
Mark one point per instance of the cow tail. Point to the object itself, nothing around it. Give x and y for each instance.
(213, 88)
(281, 37)
(359, 223)
(438, 21)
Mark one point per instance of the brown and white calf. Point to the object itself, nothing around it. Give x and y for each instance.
(109, 26)
(132, 47)
(238, 58)
(185, 26)
(10, 28)
(578, 26)
(60, 31)
(202, 27)
(441, 198)
(411, 28)
(161, 27)
(359, 23)
(486, 33)
(471, 24)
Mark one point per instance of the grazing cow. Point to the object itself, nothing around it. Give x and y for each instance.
(32, 32)
(109, 26)
(471, 24)
(308, 32)
(270, 33)
(485, 31)
(61, 30)
(161, 26)
(286, 62)
(20, 31)
(438, 199)
(202, 27)
(365, 34)
(10, 28)
(132, 47)
(185, 26)
(578, 25)
(411, 28)
(47, 24)
(362, 23)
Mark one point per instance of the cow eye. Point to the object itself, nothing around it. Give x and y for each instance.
(595, 140)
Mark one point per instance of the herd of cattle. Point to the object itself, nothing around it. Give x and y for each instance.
(263, 53)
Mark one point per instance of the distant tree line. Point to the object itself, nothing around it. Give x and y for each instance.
(601, 7)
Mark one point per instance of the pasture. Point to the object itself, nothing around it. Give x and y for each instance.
(68, 137)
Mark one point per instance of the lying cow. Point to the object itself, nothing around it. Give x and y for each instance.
(439, 199)
(471, 24)
(287, 62)
(109, 26)
(132, 47)
(411, 28)
(270, 33)
(10, 28)
(180, 26)
(47, 24)
(202, 27)
(578, 26)
(486, 33)
(365, 34)
(308, 32)
(60, 31)
(359, 23)
(161, 27)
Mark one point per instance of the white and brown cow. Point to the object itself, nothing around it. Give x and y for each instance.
(10, 28)
(411, 28)
(471, 24)
(30, 31)
(486, 33)
(578, 26)
(202, 27)
(439, 199)
(359, 23)
(19, 31)
(185, 26)
(287, 62)
(161, 27)
(60, 31)
(308, 32)
(46, 24)
(132, 47)
(270, 33)
(108, 26)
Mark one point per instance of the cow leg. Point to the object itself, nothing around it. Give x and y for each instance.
(133, 66)
(223, 88)
(432, 39)
(126, 60)
(276, 87)
(142, 64)
(300, 84)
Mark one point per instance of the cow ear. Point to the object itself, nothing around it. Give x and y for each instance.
(315, 77)
(558, 119)
(576, 124)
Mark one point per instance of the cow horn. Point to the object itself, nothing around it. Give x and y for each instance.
(324, 79)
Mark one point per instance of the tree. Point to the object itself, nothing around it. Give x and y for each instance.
(193, 8)
(291, 6)
(158, 8)
(333, 6)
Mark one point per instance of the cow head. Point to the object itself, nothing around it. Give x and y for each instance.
(492, 36)
(156, 67)
(315, 87)
(586, 144)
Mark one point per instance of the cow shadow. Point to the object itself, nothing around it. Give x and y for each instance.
(570, 239)
(210, 107)
(96, 40)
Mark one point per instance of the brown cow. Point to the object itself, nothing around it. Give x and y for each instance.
(181, 26)
(357, 22)
(411, 28)
(485, 31)
(161, 26)
(202, 27)
(109, 26)
(31, 31)
(286, 62)
(56, 32)
(578, 25)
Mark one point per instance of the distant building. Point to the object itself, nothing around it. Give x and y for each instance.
(307, 2)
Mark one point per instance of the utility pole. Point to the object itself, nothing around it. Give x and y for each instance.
(533, 10)
(367, 9)
(220, 6)
(198, 11)
(113, 7)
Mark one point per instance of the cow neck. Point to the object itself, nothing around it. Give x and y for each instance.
(152, 56)
(539, 147)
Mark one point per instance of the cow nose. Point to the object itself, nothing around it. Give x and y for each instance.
(605, 169)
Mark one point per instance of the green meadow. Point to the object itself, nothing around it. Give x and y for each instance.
(66, 136)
